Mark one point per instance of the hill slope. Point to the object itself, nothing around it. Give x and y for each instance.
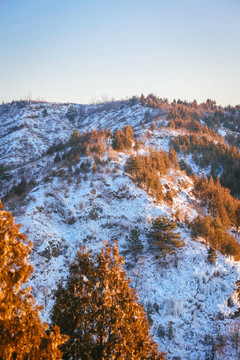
(189, 302)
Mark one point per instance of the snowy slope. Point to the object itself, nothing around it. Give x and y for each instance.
(27, 131)
(188, 301)
(188, 293)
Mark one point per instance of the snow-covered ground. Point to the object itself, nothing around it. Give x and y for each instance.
(186, 298)
(188, 301)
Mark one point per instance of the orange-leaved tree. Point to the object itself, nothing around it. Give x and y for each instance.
(22, 334)
(100, 313)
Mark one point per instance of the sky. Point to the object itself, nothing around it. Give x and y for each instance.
(82, 51)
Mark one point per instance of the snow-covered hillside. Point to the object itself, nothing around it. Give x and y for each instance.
(189, 302)
(28, 129)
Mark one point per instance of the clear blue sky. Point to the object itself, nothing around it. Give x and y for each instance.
(80, 50)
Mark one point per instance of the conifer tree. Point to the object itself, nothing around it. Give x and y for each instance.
(134, 244)
(173, 157)
(45, 113)
(137, 145)
(212, 256)
(237, 217)
(238, 289)
(100, 312)
(163, 237)
(123, 139)
(22, 335)
(3, 174)
(118, 143)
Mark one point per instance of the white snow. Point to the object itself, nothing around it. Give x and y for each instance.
(185, 297)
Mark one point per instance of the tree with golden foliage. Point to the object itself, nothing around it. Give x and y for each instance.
(22, 334)
(100, 312)
(173, 157)
(123, 139)
(237, 217)
(147, 169)
(216, 235)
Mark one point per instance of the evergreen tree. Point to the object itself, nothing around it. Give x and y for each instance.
(216, 235)
(71, 113)
(57, 158)
(45, 113)
(75, 137)
(238, 289)
(21, 187)
(153, 126)
(194, 103)
(118, 142)
(129, 135)
(173, 157)
(163, 237)
(3, 174)
(123, 139)
(142, 99)
(134, 244)
(212, 256)
(100, 312)
(237, 217)
(137, 145)
(22, 335)
(169, 197)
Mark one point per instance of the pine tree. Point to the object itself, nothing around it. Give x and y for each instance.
(129, 135)
(45, 113)
(173, 157)
(237, 216)
(71, 113)
(212, 256)
(22, 335)
(134, 244)
(118, 142)
(169, 197)
(238, 289)
(153, 126)
(100, 312)
(137, 145)
(57, 158)
(21, 187)
(161, 167)
(75, 137)
(163, 237)
(3, 174)
(123, 139)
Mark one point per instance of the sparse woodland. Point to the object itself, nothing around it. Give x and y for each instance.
(96, 313)
(147, 170)
(223, 214)
(214, 153)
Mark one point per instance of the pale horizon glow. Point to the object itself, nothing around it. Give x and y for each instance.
(82, 51)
